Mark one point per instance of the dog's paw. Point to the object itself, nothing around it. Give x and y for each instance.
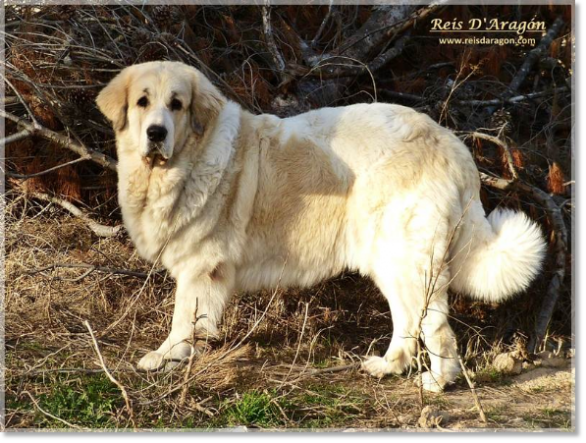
(176, 356)
(153, 361)
(431, 382)
(377, 366)
(398, 360)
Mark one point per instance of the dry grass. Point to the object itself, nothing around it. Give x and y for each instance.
(273, 367)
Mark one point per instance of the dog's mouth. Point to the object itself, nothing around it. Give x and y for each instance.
(155, 157)
(155, 160)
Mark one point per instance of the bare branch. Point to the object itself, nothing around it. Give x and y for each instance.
(512, 100)
(533, 56)
(110, 376)
(323, 24)
(46, 171)
(268, 32)
(477, 403)
(503, 145)
(66, 142)
(90, 268)
(16, 137)
(324, 70)
(97, 228)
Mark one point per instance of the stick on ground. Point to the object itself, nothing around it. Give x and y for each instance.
(97, 228)
(110, 376)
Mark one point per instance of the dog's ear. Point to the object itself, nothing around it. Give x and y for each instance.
(206, 102)
(113, 100)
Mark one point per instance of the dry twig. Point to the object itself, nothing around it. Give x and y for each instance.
(90, 269)
(268, 32)
(110, 376)
(533, 56)
(477, 403)
(54, 417)
(503, 145)
(97, 228)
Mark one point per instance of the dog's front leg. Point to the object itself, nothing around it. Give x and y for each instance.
(199, 305)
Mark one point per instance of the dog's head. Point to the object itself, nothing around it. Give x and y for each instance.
(159, 104)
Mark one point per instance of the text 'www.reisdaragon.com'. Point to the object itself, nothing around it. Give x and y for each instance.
(500, 41)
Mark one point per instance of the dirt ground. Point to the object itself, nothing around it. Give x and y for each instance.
(286, 359)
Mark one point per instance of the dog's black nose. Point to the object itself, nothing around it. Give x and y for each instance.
(156, 133)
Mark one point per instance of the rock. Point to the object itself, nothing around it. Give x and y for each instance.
(236, 429)
(550, 360)
(517, 422)
(507, 363)
(431, 417)
(405, 419)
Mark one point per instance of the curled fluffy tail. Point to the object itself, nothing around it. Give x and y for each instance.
(495, 258)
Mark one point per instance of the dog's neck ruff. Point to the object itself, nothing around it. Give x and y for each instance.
(157, 204)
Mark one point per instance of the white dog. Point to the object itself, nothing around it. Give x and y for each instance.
(229, 201)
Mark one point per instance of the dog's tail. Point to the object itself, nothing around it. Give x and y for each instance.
(496, 257)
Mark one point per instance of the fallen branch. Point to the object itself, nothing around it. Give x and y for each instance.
(199, 406)
(477, 403)
(559, 250)
(401, 95)
(342, 69)
(376, 30)
(503, 145)
(46, 171)
(97, 228)
(533, 56)
(333, 369)
(90, 269)
(383, 24)
(66, 142)
(85, 371)
(511, 100)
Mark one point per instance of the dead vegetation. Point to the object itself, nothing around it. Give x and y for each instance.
(286, 359)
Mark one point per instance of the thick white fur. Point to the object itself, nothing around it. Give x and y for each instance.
(248, 202)
(496, 258)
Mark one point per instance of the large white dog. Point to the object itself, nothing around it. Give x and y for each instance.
(229, 201)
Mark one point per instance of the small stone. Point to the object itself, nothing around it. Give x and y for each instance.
(507, 364)
(432, 417)
(550, 360)
(404, 419)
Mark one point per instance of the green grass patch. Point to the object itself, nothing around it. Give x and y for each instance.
(314, 406)
(253, 408)
(87, 401)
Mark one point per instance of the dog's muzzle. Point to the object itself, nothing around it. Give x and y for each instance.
(156, 155)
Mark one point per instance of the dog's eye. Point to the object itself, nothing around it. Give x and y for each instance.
(176, 105)
(143, 102)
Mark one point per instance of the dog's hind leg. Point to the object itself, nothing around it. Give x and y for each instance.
(419, 310)
(199, 305)
(409, 265)
(440, 343)
(396, 288)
